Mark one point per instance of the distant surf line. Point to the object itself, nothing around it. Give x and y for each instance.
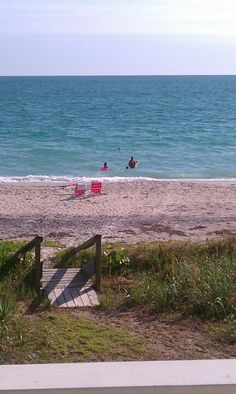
(46, 179)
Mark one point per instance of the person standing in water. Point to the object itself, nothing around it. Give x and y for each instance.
(132, 163)
(105, 167)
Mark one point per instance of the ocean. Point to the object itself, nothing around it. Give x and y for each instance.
(65, 128)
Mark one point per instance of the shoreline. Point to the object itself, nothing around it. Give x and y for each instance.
(125, 211)
(30, 180)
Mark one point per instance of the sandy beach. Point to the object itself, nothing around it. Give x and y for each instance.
(132, 211)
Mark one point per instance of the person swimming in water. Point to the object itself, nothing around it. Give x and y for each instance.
(105, 167)
(132, 163)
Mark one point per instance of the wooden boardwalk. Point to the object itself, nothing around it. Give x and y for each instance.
(69, 287)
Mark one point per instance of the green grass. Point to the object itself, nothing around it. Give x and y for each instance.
(7, 249)
(13, 272)
(205, 289)
(9, 265)
(63, 337)
(194, 279)
(225, 331)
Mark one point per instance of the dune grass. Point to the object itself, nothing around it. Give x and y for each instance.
(15, 283)
(194, 278)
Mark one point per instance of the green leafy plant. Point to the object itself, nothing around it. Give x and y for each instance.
(115, 262)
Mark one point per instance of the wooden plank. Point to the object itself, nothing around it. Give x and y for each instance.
(52, 296)
(72, 297)
(61, 269)
(76, 278)
(93, 297)
(70, 279)
(85, 298)
(80, 276)
(65, 280)
(68, 282)
(71, 283)
(69, 298)
(38, 266)
(76, 297)
(49, 288)
(98, 262)
(60, 299)
(59, 273)
(63, 275)
(69, 288)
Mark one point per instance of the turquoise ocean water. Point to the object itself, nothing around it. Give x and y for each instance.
(64, 128)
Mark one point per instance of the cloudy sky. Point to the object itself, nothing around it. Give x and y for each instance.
(117, 37)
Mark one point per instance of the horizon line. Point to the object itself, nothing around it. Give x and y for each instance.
(117, 75)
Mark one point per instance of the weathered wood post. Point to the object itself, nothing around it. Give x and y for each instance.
(38, 269)
(98, 258)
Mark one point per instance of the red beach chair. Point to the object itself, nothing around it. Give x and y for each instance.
(96, 187)
(79, 190)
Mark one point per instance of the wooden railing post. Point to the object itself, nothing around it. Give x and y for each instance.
(38, 266)
(98, 258)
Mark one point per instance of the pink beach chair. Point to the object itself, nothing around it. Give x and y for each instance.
(79, 190)
(96, 187)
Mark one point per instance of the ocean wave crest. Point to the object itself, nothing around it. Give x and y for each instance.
(70, 179)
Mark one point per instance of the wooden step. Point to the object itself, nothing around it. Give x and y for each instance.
(69, 287)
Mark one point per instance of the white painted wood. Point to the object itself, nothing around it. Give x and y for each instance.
(150, 377)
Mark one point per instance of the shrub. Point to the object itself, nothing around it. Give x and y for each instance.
(116, 262)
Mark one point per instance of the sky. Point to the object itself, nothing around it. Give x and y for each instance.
(117, 37)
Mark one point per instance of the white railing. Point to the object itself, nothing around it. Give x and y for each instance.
(148, 377)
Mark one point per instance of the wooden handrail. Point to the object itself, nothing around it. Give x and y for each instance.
(29, 246)
(34, 243)
(85, 245)
(95, 240)
(98, 259)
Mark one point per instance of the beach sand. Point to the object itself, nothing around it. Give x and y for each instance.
(128, 211)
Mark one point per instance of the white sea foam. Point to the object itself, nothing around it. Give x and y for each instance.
(70, 179)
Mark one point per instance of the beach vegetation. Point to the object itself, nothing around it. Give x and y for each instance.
(9, 264)
(195, 279)
(64, 336)
(206, 289)
(192, 280)
(7, 306)
(15, 280)
(225, 331)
